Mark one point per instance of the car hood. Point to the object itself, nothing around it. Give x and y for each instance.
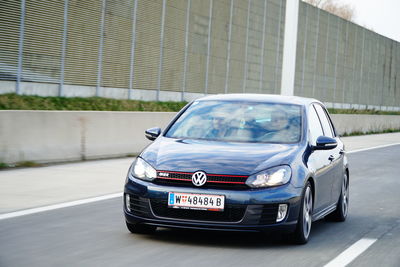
(188, 155)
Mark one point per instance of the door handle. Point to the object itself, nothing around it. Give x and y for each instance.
(331, 158)
(341, 152)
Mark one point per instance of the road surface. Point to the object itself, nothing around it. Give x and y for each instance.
(94, 234)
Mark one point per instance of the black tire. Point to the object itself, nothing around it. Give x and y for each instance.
(342, 207)
(303, 228)
(136, 228)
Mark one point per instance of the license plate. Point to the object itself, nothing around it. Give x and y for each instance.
(196, 201)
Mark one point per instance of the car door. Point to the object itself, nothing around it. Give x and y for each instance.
(318, 162)
(336, 155)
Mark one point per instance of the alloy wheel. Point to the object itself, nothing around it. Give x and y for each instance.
(307, 212)
(345, 195)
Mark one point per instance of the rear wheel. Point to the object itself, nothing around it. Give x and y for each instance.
(136, 228)
(303, 228)
(342, 206)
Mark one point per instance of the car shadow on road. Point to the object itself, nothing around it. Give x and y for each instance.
(231, 239)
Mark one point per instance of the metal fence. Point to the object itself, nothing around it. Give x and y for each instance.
(346, 64)
(181, 46)
(181, 49)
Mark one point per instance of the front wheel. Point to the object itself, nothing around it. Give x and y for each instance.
(136, 228)
(303, 228)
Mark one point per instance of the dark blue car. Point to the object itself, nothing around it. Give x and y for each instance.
(240, 162)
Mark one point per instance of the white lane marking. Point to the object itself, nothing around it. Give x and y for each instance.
(351, 253)
(94, 199)
(370, 148)
(57, 206)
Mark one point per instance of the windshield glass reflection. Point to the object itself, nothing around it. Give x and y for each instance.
(234, 121)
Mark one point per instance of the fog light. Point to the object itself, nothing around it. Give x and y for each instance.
(128, 202)
(282, 210)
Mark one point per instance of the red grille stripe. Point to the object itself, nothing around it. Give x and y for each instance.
(222, 175)
(208, 181)
(223, 182)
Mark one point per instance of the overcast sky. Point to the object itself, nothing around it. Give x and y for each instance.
(383, 16)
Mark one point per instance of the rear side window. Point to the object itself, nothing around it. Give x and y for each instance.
(314, 125)
(326, 124)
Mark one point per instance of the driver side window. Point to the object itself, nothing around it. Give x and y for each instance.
(314, 125)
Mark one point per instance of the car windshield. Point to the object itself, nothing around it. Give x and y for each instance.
(234, 121)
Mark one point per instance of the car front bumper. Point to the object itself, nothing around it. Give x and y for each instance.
(245, 210)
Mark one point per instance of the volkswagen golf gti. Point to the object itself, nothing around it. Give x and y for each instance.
(240, 162)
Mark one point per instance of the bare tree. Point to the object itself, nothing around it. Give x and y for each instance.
(342, 10)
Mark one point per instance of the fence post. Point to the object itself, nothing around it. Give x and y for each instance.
(368, 92)
(326, 60)
(228, 56)
(246, 46)
(383, 78)
(345, 62)
(336, 62)
(208, 46)
(63, 49)
(304, 52)
(396, 99)
(289, 47)
(20, 48)
(160, 65)
(133, 46)
(376, 71)
(261, 78)
(279, 42)
(362, 66)
(100, 58)
(315, 53)
(354, 67)
(186, 50)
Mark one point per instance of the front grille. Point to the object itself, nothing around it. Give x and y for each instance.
(139, 205)
(231, 213)
(207, 185)
(269, 214)
(217, 181)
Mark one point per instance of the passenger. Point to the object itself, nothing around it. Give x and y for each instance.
(217, 129)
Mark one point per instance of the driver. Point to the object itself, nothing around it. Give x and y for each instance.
(277, 129)
(279, 121)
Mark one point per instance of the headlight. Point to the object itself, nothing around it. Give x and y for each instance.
(143, 170)
(271, 177)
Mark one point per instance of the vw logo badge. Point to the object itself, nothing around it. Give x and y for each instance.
(199, 178)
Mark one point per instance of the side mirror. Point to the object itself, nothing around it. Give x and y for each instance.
(325, 143)
(152, 133)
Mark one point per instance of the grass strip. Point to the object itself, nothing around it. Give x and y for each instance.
(28, 102)
(25, 102)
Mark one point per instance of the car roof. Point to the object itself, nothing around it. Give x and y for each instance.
(279, 99)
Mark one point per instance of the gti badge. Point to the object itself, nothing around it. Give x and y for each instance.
(199, 178)
(163, 174)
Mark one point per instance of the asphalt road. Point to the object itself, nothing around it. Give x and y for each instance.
(95, 234)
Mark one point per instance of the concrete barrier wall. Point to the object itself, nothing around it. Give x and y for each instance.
(58, 136)
(349, 123)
